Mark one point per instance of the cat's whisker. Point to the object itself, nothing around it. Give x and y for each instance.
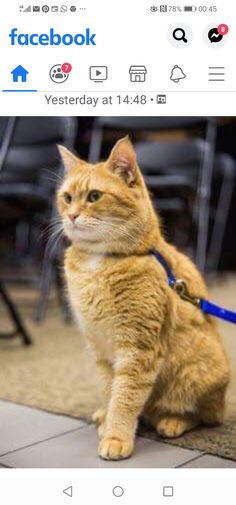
(120, 231)
(53, 241)
(47, 230)
(57, 175)
(52, 223)
(60, 228)
(51, 179)
(103, 225)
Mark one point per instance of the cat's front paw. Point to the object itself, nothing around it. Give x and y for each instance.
(99, 416)
(115, 449)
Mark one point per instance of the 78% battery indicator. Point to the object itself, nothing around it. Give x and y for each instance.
(190, 8)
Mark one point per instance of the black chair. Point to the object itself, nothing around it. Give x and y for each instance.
(225, 172)
(133, 124)
(183, 170)
(175, 168)
(31, 168)
(18, 324)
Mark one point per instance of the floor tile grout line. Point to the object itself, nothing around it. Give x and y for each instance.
(199, 456)
(166, 442)
(179, 447)
(63, 433)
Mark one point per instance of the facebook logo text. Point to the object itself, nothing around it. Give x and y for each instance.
(52, 38)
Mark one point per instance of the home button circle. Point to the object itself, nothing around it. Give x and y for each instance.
(118, 491)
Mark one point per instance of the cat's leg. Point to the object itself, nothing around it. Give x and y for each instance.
(191, 399)
(173, 426)
(135, 374)
(212, 409)
(169, 422)
(106, 374)
(209, 411)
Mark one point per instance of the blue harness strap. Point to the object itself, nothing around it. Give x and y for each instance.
(181, 289)
(163, 262)
(215, 310)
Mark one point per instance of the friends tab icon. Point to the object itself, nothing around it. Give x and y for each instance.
(59, 73)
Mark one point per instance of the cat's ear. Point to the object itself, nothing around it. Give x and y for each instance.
(70, 161)
(122, 161)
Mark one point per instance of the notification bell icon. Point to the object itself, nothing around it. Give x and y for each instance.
(177, 74)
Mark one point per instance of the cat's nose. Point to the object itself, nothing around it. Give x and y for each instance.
(73, 216)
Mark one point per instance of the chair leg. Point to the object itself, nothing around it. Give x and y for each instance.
(204, 196)
(95, 143)
(7, 138)
(48, 271)
(61, 292)
(19, 325)
(220, 222)
(22, 238)
(44, 288)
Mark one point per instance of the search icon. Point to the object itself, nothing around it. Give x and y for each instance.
(180, 35)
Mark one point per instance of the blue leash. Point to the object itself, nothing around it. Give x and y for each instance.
(181, 289)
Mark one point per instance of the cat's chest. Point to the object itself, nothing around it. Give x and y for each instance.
(90, 297)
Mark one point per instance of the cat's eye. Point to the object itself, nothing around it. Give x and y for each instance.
(94, 196)
(67, 198)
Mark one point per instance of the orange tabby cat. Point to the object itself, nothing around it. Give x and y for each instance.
(159, 355)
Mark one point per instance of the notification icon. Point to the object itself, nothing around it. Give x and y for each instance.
(223, 29)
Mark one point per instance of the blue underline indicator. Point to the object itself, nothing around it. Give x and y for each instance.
(19, 90)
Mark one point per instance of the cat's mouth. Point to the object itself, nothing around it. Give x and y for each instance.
(80, 230)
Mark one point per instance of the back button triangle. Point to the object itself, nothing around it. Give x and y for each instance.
(68, 491)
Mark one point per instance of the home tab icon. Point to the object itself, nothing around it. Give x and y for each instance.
(137, 73)
(19, 74)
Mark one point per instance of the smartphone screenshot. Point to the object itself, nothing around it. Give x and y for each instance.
(118, 252)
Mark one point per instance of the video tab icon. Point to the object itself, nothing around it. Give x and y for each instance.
(98, 73)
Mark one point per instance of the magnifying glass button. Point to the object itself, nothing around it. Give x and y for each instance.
(180, 36)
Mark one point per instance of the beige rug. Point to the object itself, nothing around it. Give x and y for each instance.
(57, 373)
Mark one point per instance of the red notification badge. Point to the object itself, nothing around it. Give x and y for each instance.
(223, 29)
(66, 68)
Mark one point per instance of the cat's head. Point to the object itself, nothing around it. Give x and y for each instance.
(105, 207)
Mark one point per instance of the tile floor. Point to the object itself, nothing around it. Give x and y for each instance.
(32, 438)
